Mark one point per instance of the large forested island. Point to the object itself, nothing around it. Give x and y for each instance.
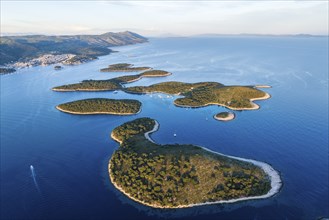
(101, 106)
(176, 176)
(207, 93)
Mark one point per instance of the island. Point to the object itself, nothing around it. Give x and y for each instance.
(101, 106)
(224, 116)
(4, 70)
(178, 176)
(207, 93)
(109, 84)
(58, 67)
(123, 67)
(90, 85)
(194, 94)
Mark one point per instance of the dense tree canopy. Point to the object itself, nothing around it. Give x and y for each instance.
(205, 93)
(101, 106)
(109, 84)
(178, 175)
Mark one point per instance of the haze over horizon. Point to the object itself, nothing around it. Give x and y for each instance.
(165, 18)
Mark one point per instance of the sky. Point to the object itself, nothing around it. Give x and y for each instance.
(165, 18)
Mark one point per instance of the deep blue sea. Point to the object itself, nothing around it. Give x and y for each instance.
(70, 153)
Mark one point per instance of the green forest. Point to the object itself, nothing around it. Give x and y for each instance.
(150, 73)
(204, 93)
(109, 84)
(195, 94)
(170, 176)
(102, 106)
(91, 85)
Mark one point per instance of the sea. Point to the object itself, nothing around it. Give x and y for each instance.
(54, 165)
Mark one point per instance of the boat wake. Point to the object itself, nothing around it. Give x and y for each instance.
(34, 178)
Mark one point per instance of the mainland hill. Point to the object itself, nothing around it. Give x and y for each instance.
(84, 47)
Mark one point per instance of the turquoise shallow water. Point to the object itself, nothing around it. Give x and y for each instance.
(70, 153)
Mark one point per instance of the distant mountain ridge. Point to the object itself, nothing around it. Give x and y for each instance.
(23, 48)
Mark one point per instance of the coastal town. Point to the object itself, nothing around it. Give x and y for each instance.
(44, 60)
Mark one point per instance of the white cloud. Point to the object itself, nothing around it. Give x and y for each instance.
(177, 17)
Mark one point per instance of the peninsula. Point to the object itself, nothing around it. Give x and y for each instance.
(101, 106)
(178, 176)
(109, 84)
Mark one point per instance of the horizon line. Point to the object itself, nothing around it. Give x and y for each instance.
(13, 34)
